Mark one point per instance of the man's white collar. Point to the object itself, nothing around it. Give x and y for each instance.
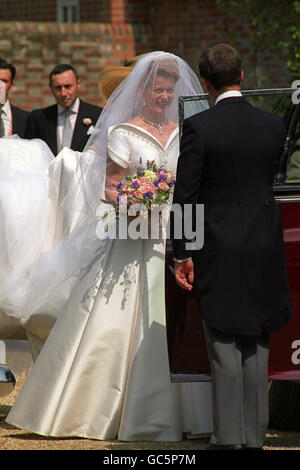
(228, 94)
(6, 108)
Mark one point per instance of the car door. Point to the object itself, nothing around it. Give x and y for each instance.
(285, 345)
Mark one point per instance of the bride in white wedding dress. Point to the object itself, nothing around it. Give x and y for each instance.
(103, 372)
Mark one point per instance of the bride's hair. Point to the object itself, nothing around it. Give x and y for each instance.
(166, 68)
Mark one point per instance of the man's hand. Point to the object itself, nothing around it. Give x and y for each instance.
(184, 274)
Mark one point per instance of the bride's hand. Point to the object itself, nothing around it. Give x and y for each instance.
(114, 175)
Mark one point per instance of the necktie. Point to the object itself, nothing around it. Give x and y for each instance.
(67, 130)
(2, 133)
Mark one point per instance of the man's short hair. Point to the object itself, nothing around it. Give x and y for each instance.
(6, 65)
(61, 68)
(221, 65)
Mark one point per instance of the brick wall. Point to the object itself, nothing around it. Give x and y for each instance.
(194, 25)
(105, 11)
(184, 27)
(28, 10)
(94, 11)
(46, 10)
(36, 47)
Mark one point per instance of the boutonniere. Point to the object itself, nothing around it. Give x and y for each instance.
(87, 121)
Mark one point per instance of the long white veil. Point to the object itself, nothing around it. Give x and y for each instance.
(41, 277)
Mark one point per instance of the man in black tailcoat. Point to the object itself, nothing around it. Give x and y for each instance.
(70, 122)
(227, 162)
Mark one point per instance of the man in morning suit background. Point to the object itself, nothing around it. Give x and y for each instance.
(227, 162)
(70, 122)
(12, 119)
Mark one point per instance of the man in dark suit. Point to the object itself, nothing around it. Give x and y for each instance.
(227, 162)
(12, 119)
(70, 122)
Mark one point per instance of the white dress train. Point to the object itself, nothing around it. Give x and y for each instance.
(103, 372)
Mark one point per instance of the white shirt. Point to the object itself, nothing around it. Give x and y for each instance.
(6, 118)
(228, 94)
(61, 117)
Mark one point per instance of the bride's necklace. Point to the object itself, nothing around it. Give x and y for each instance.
(158, 125)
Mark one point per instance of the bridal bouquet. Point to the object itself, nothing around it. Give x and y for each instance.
(150, 186)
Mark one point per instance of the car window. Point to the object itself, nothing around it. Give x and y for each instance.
(276, 101)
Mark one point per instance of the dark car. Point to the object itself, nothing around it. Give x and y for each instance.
(187, 349)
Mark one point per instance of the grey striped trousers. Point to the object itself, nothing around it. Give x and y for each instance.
(239, 369)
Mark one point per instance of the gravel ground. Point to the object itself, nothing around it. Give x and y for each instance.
(11, 438)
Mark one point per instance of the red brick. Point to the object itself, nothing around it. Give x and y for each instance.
(139, 26)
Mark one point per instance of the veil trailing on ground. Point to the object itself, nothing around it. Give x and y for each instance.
(39, 278)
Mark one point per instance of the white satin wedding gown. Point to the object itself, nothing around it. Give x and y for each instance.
(103, 372)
